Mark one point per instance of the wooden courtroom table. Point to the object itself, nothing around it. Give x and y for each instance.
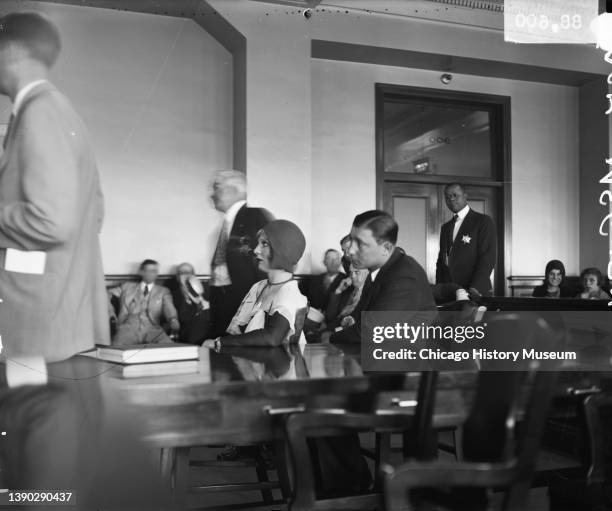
(237, 395)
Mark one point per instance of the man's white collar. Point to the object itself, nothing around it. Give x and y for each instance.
(23, 93)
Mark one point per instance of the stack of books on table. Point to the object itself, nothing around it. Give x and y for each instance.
(140, 360)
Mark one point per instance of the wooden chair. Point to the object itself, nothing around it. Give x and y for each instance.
(300, 319)
(589, 488)
(300, 427)
(497, 455)
(255, 460)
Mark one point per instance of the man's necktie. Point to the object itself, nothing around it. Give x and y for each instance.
(146, 290)
(221, 250)
(8, 131)
(451, 238)
(366, 292)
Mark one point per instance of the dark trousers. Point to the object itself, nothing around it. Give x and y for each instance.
(224, 302)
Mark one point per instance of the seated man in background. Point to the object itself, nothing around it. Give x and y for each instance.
(141, 308)
(396, 282)
(345, 297)
(192, 308)
(345, 245)
(317, 288)
(592, 280)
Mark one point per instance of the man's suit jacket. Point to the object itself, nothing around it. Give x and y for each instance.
(312, 287)
(472, 256)
(160, 302)
(241, 264)
(50, 201)
(401, 285)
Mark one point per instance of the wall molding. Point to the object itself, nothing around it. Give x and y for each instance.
(483, 5)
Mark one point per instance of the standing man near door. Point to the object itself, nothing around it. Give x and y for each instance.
(468, 245)
(233, 269)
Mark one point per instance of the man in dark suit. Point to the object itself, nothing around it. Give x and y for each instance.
(192, 308)
(468, 245)
(318, 288)
(396, 281)
(233, 269)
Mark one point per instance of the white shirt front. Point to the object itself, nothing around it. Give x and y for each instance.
(220, 274)
(374, 273)
(23, 92)
(461, 214)
(148, 286)
(230, 215)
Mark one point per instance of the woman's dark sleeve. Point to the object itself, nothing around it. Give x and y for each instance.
(539, 291)
(273, 333)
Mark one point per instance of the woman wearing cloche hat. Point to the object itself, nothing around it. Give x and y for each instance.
(266, 316)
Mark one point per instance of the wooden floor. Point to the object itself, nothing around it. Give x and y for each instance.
(538, 496)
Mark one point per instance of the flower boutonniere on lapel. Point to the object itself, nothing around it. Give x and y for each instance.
(467, 239)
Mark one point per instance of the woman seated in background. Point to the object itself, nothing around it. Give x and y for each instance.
(345, 297)
(592, 279)
(554, 282)
(266, 316)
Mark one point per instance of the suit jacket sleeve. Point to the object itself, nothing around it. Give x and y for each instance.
(440, 262)
(400, 293)
(351, 335)
(487, 254)
(168, 306)
(47, 215)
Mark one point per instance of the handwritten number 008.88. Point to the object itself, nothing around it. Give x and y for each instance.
(543, 22)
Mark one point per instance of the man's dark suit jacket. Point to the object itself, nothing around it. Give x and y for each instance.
(241, 265)
(472, 256)
(312, 288)
(401, 285)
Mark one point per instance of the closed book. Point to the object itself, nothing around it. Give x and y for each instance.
(142, 353)
(159, 369)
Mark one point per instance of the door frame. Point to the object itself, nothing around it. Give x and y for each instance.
(500, 108)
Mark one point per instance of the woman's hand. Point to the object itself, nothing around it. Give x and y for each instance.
(209, 343)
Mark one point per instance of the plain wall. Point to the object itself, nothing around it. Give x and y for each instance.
(545, 202)
(156, 95)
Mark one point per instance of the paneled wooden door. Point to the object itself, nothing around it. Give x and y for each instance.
(420, 211)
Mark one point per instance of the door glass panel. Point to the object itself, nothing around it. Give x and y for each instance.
(436, 139)
(411, 215)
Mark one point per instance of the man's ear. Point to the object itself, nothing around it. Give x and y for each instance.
(388, 246)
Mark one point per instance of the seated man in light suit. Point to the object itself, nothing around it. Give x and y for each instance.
(141, 308)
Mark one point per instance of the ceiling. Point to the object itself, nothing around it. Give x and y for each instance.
(302, 4)
(393, 7)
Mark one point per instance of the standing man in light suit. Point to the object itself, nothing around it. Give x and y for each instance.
(51, 206)
(233, 269)
(51, 279)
